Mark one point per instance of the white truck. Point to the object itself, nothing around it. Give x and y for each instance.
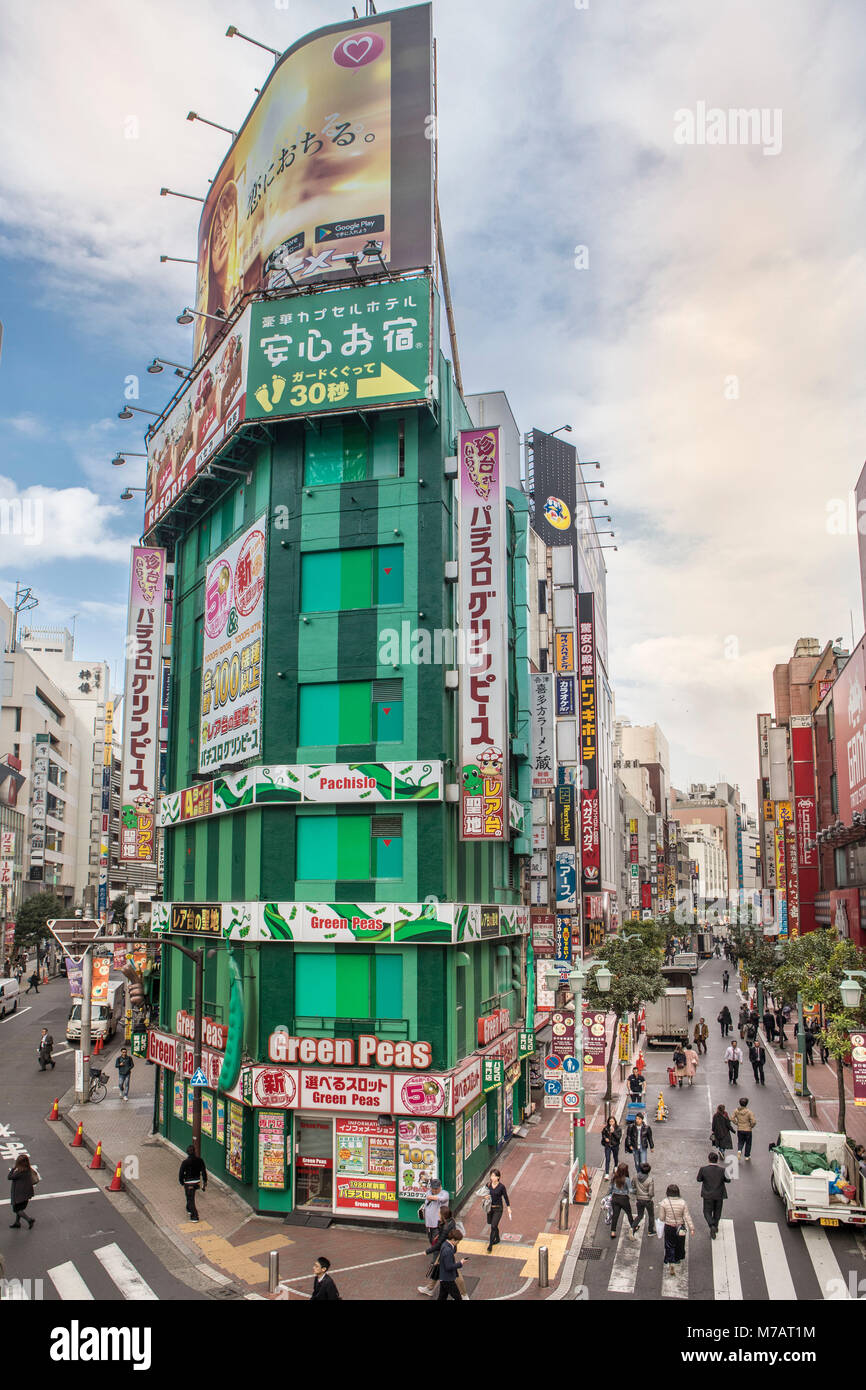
(687, 960)
(807, 1196)
(104, 1018)
(667, 1020)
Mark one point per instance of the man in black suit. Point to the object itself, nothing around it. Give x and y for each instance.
(713, 1184)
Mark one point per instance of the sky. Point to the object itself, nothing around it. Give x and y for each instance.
(693, 309)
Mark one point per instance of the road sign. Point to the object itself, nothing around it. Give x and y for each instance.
(571, 1100)
(198, 1078)
(552, 1102)
(570, 1064)
(74, 934)
(572, 1081)
(552, 1063)
(553, 1088)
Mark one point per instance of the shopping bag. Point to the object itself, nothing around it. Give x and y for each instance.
(660, 1228)
(607, 1209)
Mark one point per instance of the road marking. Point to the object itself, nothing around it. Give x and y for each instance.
(213, 1273)
(676, 1285)
(556, 1248)
(125, 1275)
(47, 1196)
(726, 1271)
(545, 1132)
(64, 1052)
(824, 1263)
(17, 1013)
(521, 1171)
(777, 1273)
(391, 1259)
(623, 1276)
(69, 1283)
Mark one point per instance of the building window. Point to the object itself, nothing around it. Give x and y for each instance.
(354, 984)
(349, 847)
(350, 712)
(840, 864)
(335, 580)
(542, 595)
(340, 453)
(834, 794)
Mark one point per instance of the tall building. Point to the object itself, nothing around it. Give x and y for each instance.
(717, 805)
(707, 847)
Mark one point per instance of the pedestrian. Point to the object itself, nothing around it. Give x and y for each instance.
(744, 1122)
(679, 1061)
(743, 1020)
(758, 1058)
(32, 982)
(769, 1024)
(713, 1184)
(751, 1034)
(722, 1130)
(23, 1177)
(725, 1020)
(636, 1085)
(620, 1190)
(431, 1209)
(644, 1192)
(611, 1138)
(691, 1064)
(733, 1057)
(124, 1064)
(498, 1200)
(809, 1042)
(676, 1217)
(7, 968)
(448, 1228)
(449, 1266)
(323, 1285)
(822, 1046)
(638, 1138)
(192, 1171)
(726, 980)
(701, 1033)
(44, 1048)
(780, 1027)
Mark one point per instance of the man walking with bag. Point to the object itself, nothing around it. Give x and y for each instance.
(713, 1184)
(44, 1049)
(192, 1170)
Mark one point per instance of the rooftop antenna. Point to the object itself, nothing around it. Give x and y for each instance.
(24, 603)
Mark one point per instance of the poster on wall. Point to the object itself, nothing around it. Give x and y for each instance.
(161, 1096)
(467, 1136)
(207, 1113)
(220, 1134)
(179, 1090)
(141, 706)
(235, 1141)
(233, 656)
(476, 1126)
(458, 1157)
(272, 1149)
(417, 1160)
(365, 1177)
(858, 1066)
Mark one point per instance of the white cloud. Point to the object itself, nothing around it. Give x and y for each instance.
(39, 525)
(28, 425)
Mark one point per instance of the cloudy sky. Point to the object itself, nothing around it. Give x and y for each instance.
(707, 348)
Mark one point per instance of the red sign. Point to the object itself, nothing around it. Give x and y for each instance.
(590, 839)
(805, 824)
(858, 1066)
(849, 711)
(162, 1049)
(196, 801)
(212, 1034)
(492, 1025)
(646, 895)
(274, 1086)
(563, 1029)
(594, 1039)
(341, 1052)
(365, 1176)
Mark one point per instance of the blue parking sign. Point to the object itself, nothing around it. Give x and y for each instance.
(553, 1088)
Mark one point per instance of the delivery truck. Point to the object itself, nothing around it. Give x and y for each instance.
(686, 960)
(667, 1020)
(105, 1018)
(704, 944)
(817, 1178)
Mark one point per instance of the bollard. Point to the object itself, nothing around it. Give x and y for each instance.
(542, 1266)
(789, 1062)
(273, 1270)
(813, 1108)
(563, 1212)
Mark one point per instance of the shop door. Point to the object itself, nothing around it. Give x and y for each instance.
(314, 1166)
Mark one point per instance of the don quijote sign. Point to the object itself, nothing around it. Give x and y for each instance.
(366, 1051)
(212, 1034)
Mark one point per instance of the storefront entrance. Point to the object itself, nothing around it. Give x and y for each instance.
(314, 1163)
(348, 1165)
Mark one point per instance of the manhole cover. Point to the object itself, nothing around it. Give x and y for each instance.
(591, 1252)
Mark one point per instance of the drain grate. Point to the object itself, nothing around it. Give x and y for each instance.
(590, 1252)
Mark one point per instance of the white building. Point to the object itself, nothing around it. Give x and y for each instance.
(706, 845)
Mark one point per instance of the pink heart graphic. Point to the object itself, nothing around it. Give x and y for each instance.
(364, 48)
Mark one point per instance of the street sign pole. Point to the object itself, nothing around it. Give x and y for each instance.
(86, 1015)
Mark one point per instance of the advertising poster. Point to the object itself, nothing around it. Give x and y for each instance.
(416, 1155)
(467, 1136)
(101, 972)
(483, 713)
(594, 1040)
(563, 1029)
(190, 1103)
(74, 974)
(141, 706)
(458, 1156)
(220, 1134)
(542, 732)
(476, 1126)
(335, 152)
(235, 1141)
(858, 1067)
(233, 657)
(207, 1113)
(272, 1149)
(179, 1093)
(161, 1096)
(849, 712)
(365, 1175)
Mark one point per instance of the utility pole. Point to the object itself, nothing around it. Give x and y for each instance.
(83, 1093)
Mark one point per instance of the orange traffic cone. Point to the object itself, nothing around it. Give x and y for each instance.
(97, 1047)
(116, 1184)
(581, 1196)
(640, 1064)
(78, 1141)
(55, 1109)
(96, 1161)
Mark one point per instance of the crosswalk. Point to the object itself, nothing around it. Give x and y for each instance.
(70, 1284)
(819, 1276)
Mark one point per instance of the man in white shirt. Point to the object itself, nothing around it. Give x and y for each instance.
(733, 1057)
(436, 1199)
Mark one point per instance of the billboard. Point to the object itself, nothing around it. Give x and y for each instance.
(336, 152)
(590, 834)
(542, 732)
(141, 706)
(849, 711)
(484, 690)
(805, 821)
(233, 652)
(38, 803)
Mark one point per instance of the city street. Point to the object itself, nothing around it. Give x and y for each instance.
(756, 1256)
(85, 1244)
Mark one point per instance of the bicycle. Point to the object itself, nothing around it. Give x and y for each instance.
(98, 1086)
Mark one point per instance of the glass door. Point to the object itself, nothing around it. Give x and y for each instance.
(314, 1163)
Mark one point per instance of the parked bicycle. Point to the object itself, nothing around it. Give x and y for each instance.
(98, 1085)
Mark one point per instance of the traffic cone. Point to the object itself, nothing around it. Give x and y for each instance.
(581, 1196)
(78, 1141)
(640, 1064)
(97, 1047)
(116, 1184)
(96, 1161)
(55, 1109)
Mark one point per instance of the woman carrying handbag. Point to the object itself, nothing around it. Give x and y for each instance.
(675, 1215)
(722, 1130)
(498, 1198)
(23, 1177)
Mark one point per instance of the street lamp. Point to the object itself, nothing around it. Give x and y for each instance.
(577, 978)
(127, 411)
(188, 315)
(234, 33)
(194, 116)
(120, 459)
(126, 495)
(159, 363)
(849, 989)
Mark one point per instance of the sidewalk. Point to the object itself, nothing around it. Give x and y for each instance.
(230, 1244)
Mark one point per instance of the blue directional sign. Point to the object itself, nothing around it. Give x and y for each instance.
(553, 1088)
(570, 1064)
(198, 1078)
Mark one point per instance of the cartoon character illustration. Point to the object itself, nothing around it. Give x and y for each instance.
(130, 817)
(473, 784)
(490, 762)
(557, 514)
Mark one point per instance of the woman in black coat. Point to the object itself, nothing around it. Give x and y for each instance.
(725, 1020)
(23, 1178)
(722, 1129)
(611, 1138)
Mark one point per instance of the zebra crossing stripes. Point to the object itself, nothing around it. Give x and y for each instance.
(777, 1274)
(626, 1260)
(123, 1273)
(676, 1285)
(825, 1264)
(69, 1283)
(726, 1270)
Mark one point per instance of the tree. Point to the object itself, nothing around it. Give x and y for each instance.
(118, 907)
(637, 979)
(814, 965)
(30, 919)
(758, 954)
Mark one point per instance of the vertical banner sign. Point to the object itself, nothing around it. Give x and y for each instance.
(590, 837)
(101, 972)
(858, 1067)
(565, 815)
(805, 822)
(793, 880)
(783, 814)
(543, 737)
(141, 706)
(483, 692)
(562, 949)
(594, 1039)
(105, 816)
(566, 878)
(272, 1149)
(366, 1166)
(37, 806)
(562, 1031)
(233, 655)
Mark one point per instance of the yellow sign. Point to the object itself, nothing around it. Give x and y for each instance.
(564, 649)
(386, 383)
(109, 734)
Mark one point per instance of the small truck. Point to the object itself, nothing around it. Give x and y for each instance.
(667, 1020)
(814, 1196)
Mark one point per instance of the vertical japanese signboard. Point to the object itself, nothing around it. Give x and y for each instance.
(590, 836)
(141, 706)
(417, 1156)
(849, 712)
(594, 1039)
(272, 1149)
(483, 692)
(105, 810)
(366, 1166)
(858, 1066)
(233, 655)
(38, 802)
(543, 737)
(805, 819)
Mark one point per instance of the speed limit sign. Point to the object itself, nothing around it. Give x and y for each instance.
(570, 1100)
